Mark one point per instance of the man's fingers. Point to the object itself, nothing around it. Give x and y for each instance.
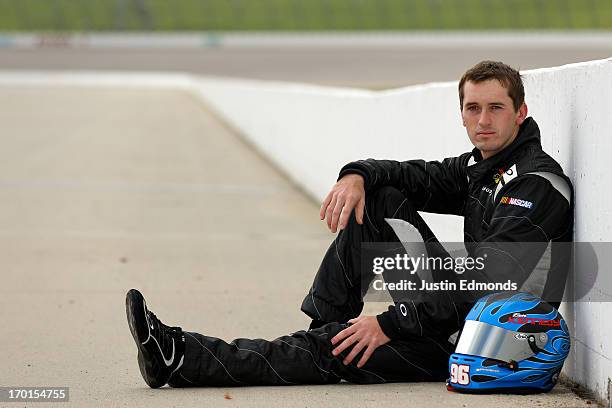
(330, 209)
(366, 355)
(345, 344)
(349, 202)
(325, 204)
(343, 334)
(359, 209)
(336, 213)
(346, 213)
(349, 205)
(356, 349)
(341, 200)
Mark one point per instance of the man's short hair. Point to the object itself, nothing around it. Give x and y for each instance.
(509, 77)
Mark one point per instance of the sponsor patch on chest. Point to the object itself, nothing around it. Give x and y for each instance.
(516, 201)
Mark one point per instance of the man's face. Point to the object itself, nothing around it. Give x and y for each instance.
(489, 116)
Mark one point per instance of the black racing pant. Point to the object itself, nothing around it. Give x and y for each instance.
(305, 357)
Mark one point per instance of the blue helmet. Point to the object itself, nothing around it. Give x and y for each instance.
(511, 342)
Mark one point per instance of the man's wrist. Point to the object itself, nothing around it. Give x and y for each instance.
(348, 169)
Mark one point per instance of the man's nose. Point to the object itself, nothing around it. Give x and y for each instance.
(485, 118)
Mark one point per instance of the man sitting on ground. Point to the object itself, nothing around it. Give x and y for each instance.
(508, 191)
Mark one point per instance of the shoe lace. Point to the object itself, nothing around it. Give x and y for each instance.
(163, 333)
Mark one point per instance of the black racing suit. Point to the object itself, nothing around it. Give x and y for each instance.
(518, 196)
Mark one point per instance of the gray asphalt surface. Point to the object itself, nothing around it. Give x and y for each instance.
(368, 68)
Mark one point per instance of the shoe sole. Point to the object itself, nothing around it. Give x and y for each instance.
(135, 309)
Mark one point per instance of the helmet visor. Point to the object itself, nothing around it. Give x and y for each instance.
(488, 341)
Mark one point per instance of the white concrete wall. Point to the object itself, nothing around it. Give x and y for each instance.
(310, 132)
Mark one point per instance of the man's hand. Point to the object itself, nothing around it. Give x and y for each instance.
(347, 193)
(366, 332)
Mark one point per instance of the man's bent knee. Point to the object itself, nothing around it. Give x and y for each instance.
(384, 202)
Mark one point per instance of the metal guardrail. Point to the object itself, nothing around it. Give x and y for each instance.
(247, 15)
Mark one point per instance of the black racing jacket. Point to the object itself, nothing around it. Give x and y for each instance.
(515, 204)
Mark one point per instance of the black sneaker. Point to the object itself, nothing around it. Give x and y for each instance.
(161, 348)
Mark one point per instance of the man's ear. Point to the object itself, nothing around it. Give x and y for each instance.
(522, 114)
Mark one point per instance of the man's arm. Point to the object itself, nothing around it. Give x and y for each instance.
(432, 186)
(439, 187)
(518, 235)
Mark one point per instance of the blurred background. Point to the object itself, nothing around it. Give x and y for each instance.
(318, 41)
(249, 15)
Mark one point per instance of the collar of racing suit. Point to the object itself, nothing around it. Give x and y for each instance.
(529, 134)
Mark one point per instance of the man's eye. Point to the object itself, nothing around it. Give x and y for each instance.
(472, 108)
(496, 107)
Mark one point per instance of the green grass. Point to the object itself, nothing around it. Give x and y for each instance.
(196, 15)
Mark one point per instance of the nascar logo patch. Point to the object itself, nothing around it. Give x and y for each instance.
(516, 201)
